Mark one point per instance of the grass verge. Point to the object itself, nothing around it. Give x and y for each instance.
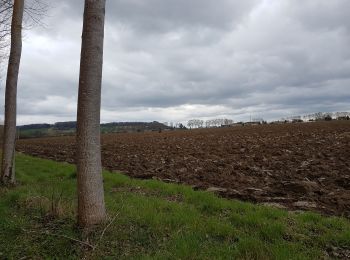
(153, 220)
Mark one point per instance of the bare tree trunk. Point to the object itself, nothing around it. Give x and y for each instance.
(91, 206)
(8, 171)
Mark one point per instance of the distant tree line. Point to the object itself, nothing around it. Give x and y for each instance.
(319, 116)
(69, 128)
(34, 126)
(173, 125)
(198, 123)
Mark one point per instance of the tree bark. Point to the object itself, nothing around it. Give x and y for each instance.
(91, 206)
(8, 170)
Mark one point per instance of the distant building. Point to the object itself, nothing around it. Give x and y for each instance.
(257, 120)
(343, 118)
(297, 121)
(252, 123)
(277, 122)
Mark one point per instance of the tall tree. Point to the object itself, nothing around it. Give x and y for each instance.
(91, 206)
(13, 14)
(8, 171)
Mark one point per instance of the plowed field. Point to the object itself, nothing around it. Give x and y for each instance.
(298, 166)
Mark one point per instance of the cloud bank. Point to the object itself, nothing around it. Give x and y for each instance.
(175, 60)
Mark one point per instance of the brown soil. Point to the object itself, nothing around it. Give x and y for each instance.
(298, 166)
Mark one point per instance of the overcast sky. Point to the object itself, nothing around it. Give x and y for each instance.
(169, 60)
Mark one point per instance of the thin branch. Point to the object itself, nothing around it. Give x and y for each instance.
(105, 229)
(108, 225)
(34, 11)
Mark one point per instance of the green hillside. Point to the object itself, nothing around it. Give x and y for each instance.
(68, 128)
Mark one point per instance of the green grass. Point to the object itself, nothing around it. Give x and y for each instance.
(152, 220)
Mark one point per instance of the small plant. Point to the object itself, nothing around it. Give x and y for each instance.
(56, 209)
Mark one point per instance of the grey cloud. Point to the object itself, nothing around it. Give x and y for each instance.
(200, 58)
(322, 14)
(163, 16)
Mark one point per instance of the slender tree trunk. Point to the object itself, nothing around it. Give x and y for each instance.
(91, 206)
(8, 171)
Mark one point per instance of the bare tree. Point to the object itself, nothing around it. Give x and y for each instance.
(34, 10)
(7, 171)
(5, 17)
(91, 206)
(11, 23)
(5, 26)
